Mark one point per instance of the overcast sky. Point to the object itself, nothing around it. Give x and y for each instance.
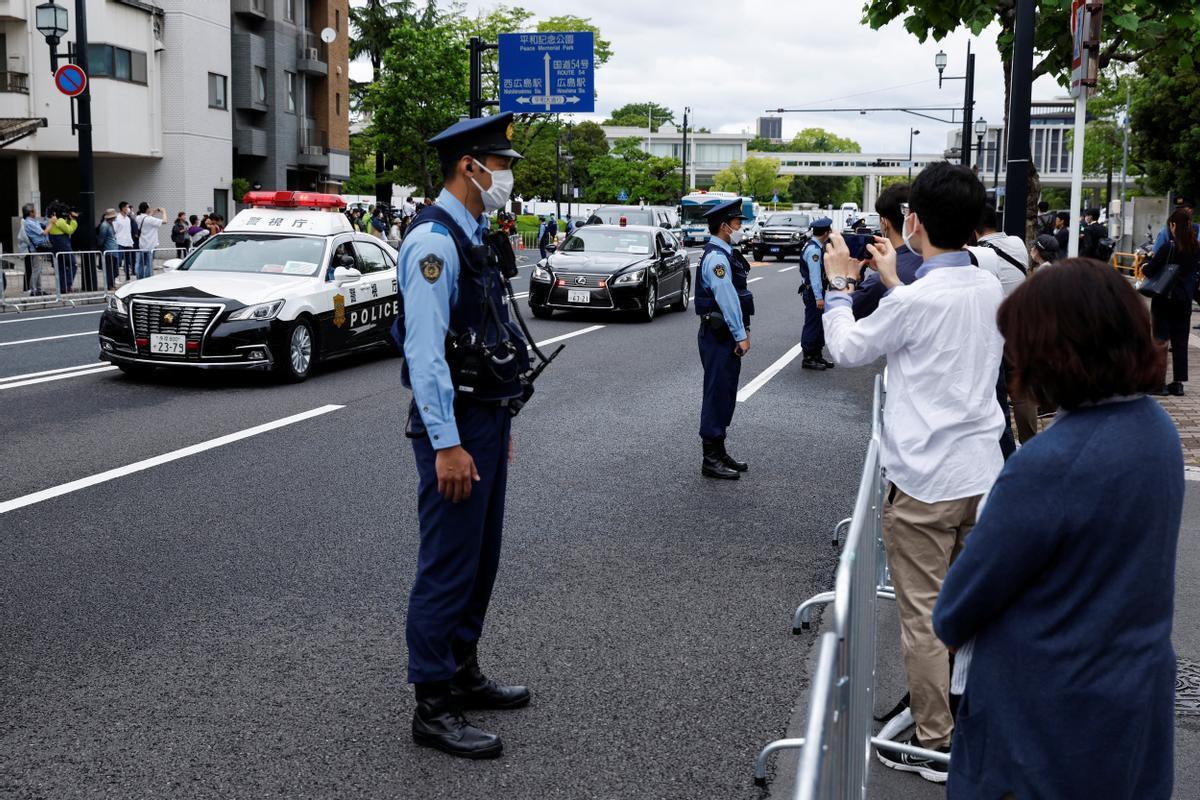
(731, 60)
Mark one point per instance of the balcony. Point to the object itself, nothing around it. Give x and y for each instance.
(13, 10)
(254, 9)
(250, 141)
(14, 83)
(312, 58)
(313, 149)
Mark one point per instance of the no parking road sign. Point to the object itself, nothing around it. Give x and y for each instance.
(547, 72)
(70, 80)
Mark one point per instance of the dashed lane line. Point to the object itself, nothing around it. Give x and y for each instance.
(789, 269)
(752, 280)
(166, 458)
(49, 316)
(76, 368)
(48, 338)
(747, 391)
(91, 370)
(570, 335)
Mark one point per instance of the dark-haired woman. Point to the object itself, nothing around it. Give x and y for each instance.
(1172, 315)
(1065, 588)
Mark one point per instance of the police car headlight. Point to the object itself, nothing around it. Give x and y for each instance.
(630, 277)
(260, 312)
(117, 306)
(540, 273)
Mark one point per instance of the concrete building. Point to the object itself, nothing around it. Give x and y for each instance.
(291, 93)
(770, 128)
(161, 121)
(708, 153)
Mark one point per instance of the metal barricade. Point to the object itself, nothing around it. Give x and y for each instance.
(836, 748)
(86, 276)
(28, 281)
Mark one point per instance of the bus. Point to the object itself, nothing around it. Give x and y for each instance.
(692, 208)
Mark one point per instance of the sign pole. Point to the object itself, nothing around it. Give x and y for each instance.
(87, 169)
(1017, 176)
(1077, 174)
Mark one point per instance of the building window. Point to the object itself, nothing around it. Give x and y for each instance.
(310, 99)
(221, 202)
(260, 85)
(216, 91)
(291, 91)
(337, 104)
(337, 20)
(289, 10)
(118, 63)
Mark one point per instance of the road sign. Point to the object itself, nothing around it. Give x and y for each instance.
(775, 197)
(70, 80)
(547, 72)
(623, 196)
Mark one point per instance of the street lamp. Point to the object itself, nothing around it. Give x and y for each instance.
(51, 21)
(940, 60)
(980, 132)
(911, 133)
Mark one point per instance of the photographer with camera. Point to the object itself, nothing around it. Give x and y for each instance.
(149, 220)
(62, 223)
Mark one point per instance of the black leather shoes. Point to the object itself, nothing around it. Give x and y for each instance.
(713, 465)
(813, 363)
(828, 364)
(730, 461)
(472, 689)
(1175, 389)
(439, 723)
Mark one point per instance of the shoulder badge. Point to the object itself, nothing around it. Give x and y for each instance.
(816, 257)
(719, 271)
(431, 268)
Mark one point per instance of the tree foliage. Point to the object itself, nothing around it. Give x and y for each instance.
(1165, 118)
(580, 144)
(757, 177)
(635, 115)
(629, 168)
(826, 190)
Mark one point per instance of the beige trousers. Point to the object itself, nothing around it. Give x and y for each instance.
(922, 540)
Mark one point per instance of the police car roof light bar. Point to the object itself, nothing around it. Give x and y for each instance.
(286, 199)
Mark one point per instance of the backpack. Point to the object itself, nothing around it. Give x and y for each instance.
(1104, 248)
(135, 230)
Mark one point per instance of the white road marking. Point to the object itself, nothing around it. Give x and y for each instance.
(570, 335)
(1191, 473)
(789, 269)
(92, 371)
(48, 338)
(752, 280)
(519, 295)
(166, 458)
(50, 372)
(51, 316)
(747, 391)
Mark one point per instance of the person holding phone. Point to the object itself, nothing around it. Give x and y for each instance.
(725, 304)
(812, 289)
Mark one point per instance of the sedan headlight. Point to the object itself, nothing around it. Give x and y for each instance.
(260, 312)
(117, 306)
(540, 273)
(630, 277)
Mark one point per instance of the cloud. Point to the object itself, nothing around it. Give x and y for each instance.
(731, 60)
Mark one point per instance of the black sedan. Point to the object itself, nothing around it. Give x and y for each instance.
(636, 269)
(781, 235)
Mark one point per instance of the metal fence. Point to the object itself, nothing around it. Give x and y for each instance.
(836, 748)
(32, 280)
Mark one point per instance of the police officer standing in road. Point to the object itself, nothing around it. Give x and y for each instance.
(725, 306)
(812, 289)
(464, 361)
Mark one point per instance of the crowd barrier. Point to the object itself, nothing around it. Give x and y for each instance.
(32, 280)
(837, 744)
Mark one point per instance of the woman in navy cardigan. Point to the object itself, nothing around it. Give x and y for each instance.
(1065, 587)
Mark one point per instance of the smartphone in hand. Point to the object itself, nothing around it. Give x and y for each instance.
(857, 245)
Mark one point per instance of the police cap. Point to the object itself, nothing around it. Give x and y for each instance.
(1183, 202)
(822, 222)
(726, 211)
(477, 137)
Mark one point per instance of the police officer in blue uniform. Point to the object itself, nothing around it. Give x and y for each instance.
(464, 361)
(725, 306)
(812, 289)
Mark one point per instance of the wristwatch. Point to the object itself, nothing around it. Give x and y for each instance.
(843, 284)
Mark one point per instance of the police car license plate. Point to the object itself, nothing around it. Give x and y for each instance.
(168, 344)
(774, 249)
(579, 297)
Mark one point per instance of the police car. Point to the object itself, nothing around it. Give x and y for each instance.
(287, 284)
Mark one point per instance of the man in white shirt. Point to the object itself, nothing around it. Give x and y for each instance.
(123, 228)
(149, 221)
(942, 425)
(1011, 261)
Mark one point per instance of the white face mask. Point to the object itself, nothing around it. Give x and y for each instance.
(735, 235)
(496, 197)
(904, 233)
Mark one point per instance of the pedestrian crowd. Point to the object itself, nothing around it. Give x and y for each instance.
(127, 244)
(1034, 585)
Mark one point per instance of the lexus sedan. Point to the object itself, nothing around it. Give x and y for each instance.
(636, 269)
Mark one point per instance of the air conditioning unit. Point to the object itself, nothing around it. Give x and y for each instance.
(310, 54)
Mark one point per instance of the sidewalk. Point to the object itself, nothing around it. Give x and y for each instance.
(1186, 413)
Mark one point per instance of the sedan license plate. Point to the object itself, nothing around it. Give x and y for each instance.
(168, 344)
(579, 297)
(774, 249)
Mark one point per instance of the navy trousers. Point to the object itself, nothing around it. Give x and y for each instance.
(460, 547)
(812, 337)
(722, 368)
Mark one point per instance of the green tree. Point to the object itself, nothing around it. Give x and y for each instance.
(587, 145)
(636, 115)
(731, 179)
(421, 90)
(1165, 114)
(819, 140)
(757, 178)
(635, 171)
(362, 165)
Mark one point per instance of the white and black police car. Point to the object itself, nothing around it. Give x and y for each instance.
(287, 284)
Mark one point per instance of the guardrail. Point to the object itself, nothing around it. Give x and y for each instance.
(836, 748)
(1130, 263)
(33, 280)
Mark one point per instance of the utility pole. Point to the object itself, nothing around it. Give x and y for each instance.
(477, 103)
(1124, 160)
(557, 168)
(968, 107)
(683, 181)
(1021, 83)
(1086, 19)
(87, 168)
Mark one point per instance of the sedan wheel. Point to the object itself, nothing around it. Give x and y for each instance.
(682, 303)
(296, 361)
(651, 306)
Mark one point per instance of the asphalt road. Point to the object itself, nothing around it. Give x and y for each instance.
(227, 620)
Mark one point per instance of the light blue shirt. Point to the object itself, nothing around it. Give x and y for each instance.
(722, 286)
(813, 262)
(959, 258)
(33, 232)
(1164, 236)
(427, 316)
